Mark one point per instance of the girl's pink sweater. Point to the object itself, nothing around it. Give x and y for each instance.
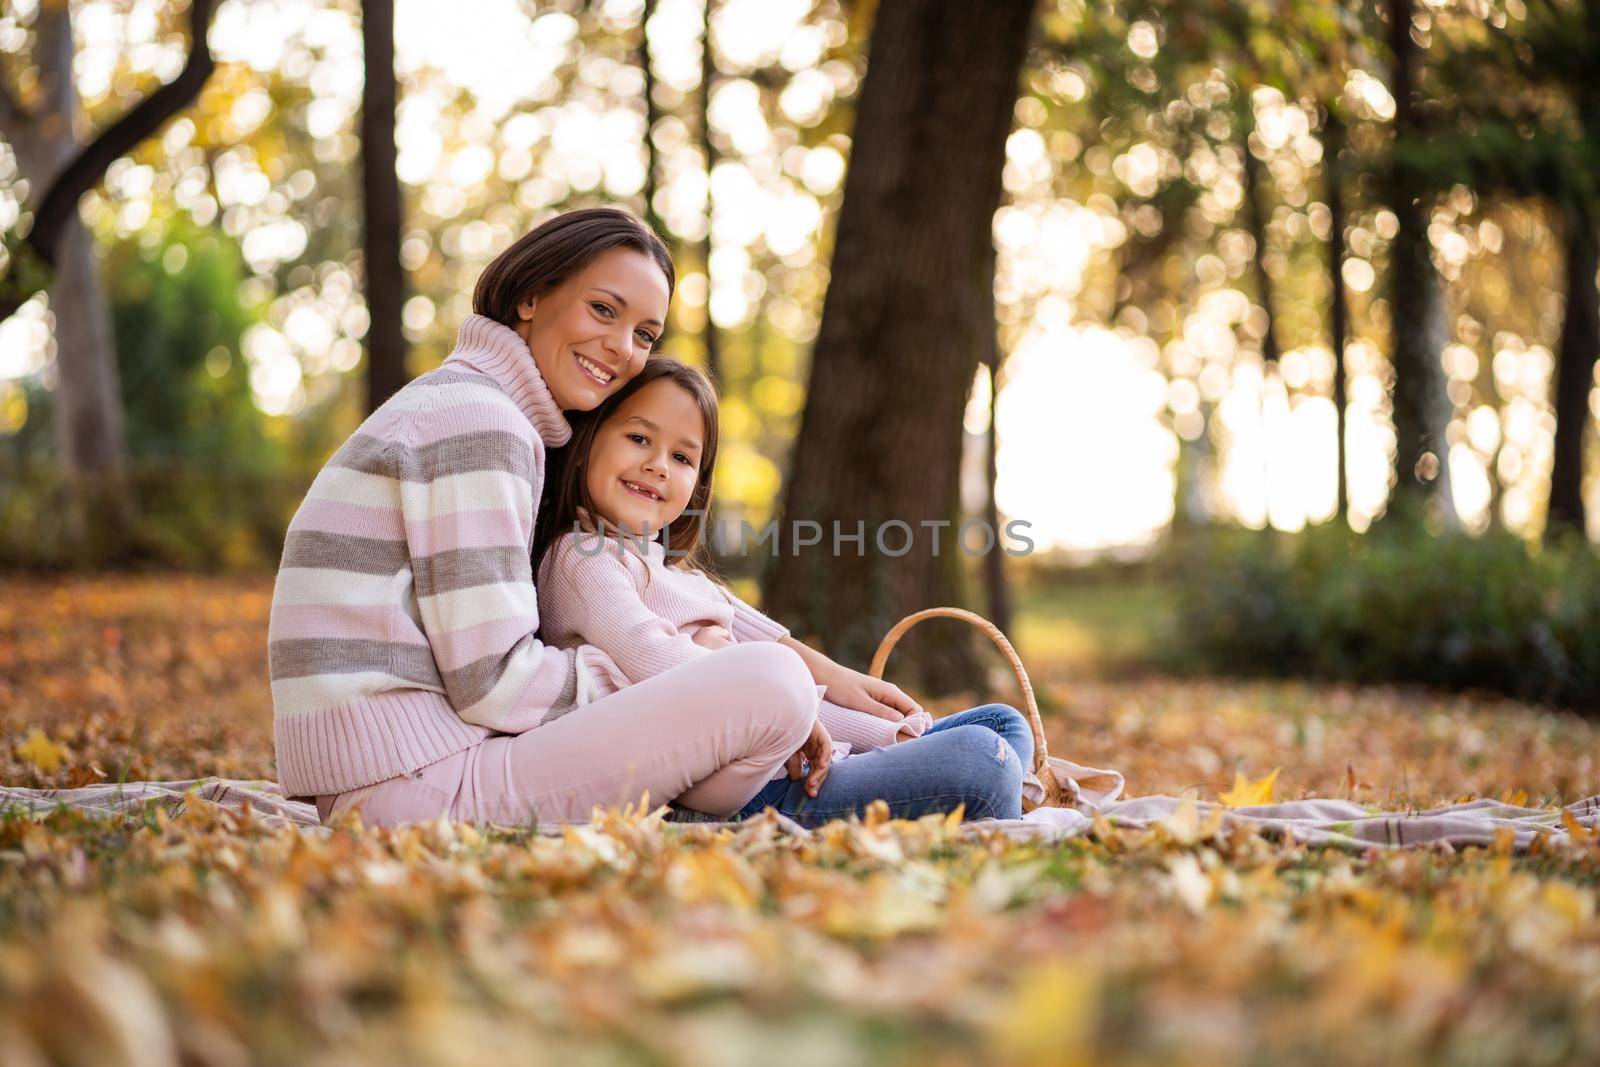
(641, 616)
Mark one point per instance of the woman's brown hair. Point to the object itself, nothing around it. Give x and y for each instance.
(551, 252)
(566, 484)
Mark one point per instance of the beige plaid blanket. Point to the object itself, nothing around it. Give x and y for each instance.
(1313, 821)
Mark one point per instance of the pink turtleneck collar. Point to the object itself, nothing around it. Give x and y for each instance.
(497, 350)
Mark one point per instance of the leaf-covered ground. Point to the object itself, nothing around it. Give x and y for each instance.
(208, 939)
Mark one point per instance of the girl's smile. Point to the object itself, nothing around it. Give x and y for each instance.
(640, 490)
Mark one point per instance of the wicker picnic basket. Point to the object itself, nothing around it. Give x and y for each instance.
(1057, 792)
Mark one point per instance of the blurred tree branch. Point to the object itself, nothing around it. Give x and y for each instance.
(85, 169)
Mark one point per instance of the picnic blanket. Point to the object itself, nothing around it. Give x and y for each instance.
(1312, 820)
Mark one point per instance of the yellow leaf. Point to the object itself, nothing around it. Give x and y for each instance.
(1246, 792)
(40, 751)
(1576, 830)
(1183, 825)
(1184, 821)
(715, 875)
(1051, 1015)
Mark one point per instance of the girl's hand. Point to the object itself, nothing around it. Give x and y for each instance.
(862, 692)
(712, 637)
(818, 751)
(852, 689)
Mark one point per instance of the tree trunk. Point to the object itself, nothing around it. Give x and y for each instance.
(1580, 329)
(1417, 309)
(385, 278)
(907, 318)
(994, 563)
(1579, 348)
(1255, 220)
(1255, 213)
(88, 403)
(1338, 308)
(708, 77)
(652, 115)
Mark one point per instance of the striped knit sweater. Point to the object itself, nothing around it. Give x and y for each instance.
(404, 619)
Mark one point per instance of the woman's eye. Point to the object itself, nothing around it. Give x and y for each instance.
(604, 308)
(644, 335)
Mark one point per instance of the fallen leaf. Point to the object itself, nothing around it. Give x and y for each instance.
(42, 752)
(1246, 792)
(1189, 883)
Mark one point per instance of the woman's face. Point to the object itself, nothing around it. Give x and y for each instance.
(644, 461)
(593, 332)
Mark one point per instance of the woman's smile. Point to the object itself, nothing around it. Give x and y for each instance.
(597, 373)
(605, 318)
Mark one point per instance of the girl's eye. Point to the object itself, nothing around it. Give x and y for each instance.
(638, 438)
(681, 458)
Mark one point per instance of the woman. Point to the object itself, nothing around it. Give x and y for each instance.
(407, 673)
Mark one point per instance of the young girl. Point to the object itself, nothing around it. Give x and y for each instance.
(620, 564)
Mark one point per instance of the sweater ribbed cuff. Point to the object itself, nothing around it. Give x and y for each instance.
(750, 625)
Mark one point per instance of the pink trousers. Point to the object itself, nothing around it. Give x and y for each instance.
(709, 734)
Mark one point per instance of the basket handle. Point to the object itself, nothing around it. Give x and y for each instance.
(1040, 752)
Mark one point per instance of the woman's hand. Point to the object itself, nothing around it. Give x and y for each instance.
(712, 637)
(818, 751)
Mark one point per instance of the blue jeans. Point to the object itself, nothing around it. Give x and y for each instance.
(975, 757)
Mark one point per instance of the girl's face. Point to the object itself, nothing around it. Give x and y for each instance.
(645, 459)
(593, 332)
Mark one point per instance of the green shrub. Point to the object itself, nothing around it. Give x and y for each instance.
(1396, 604)
(184, 515)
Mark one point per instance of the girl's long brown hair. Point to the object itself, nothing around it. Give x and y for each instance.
(566, 485)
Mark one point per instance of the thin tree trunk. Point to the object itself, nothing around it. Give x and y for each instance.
(88, 402)
(652, 115)
(1417, 309)
(1580, 329)
(1256, 212)
(385, 278)
(1579, 348)
(708, 77)
(90, 448)
(907, 318)
(994, 563)
(1255, 219)
(1338, 308)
